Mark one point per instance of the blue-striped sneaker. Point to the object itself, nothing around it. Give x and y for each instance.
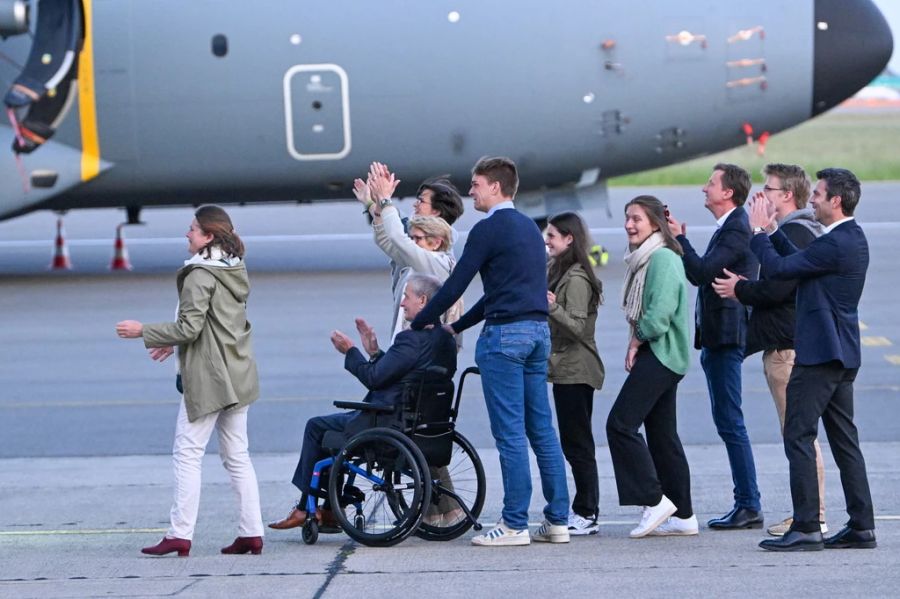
(502, 535)
(552, 533)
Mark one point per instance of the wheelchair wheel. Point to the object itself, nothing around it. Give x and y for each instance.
(310, 531)
(464, 476)
(386, 486)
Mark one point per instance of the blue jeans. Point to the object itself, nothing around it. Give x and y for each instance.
(722, 367)
(513, 362)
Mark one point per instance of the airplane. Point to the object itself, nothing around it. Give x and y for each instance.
(133, 103)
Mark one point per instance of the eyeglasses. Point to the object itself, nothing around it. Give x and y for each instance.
(418, 238)
(421, 201)
(767, 188)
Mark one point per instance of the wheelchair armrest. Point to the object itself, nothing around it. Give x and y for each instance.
(437, 371)
(364, 407)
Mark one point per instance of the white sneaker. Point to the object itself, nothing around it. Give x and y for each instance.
(652, 517)
(677, 527)
(502, 535)
(552, 533)
(579, 525)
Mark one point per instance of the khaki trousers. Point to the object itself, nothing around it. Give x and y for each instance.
(777, 366)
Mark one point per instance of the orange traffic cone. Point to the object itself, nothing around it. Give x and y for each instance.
(120, 257)
(61, 252)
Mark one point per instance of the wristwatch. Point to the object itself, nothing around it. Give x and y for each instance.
(384, 202)
(758, 230)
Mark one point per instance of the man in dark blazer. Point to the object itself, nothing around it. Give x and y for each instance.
(832, 273)
(384, 374)
(721, 331)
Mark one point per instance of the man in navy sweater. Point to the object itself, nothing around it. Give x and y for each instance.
(508, 251)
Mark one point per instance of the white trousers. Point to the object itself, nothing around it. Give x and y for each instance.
(190, 445)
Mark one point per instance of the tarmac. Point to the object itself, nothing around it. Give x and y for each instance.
(73, 527)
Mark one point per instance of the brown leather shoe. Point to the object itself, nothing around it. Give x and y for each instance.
(327, 520)
(295, 519)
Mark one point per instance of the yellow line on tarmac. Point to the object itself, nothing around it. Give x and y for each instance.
(83, 531)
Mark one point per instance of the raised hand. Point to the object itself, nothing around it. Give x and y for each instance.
(361, 191)
(382, 182)
(367, 337)
(762, 212)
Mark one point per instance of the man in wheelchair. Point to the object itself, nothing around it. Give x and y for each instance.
(384, 374)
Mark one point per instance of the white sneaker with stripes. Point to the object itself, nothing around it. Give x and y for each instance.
(502, 536)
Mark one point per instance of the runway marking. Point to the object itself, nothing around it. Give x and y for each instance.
(130, 531)
(154, 402)
(893, 359)
(84, 531)
(317, 237)
(875, 341)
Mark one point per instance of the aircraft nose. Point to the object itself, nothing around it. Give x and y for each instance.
(853, 44)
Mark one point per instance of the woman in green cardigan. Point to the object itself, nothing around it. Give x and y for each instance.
(652, 474)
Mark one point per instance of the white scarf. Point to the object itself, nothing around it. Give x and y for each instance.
(635, 274)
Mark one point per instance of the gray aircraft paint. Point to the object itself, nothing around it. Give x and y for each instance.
(309, 93)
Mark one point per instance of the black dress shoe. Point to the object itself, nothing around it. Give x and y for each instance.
(850, 538)
(739, 517)
(794, 540)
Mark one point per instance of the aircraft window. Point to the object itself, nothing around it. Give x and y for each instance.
(219, 45)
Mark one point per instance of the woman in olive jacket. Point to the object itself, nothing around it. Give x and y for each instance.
(575, 368)
(217, 373)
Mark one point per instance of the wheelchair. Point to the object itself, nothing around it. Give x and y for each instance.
(407, 471)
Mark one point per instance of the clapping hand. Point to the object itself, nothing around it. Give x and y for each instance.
(551, 298)
(361, 191)
(382, 182)
(341, 342)
(762, 212)
(367, 337)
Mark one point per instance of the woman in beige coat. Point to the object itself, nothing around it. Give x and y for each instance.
(575, 368)
(217, 374)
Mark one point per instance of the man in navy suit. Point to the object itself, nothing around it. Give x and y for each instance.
(721, 331)
(831, 273)
(384, 374)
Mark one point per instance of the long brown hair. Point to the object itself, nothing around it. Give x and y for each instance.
(656, 213)
(216, 222)
(569, 223)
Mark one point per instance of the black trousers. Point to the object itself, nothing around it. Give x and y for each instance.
(824, 391)
(574, 407)
(645, 471)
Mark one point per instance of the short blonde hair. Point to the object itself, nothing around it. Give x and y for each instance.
(434, 226)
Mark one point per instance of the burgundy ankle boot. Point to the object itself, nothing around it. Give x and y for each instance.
(242, 545)
(167, 545)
